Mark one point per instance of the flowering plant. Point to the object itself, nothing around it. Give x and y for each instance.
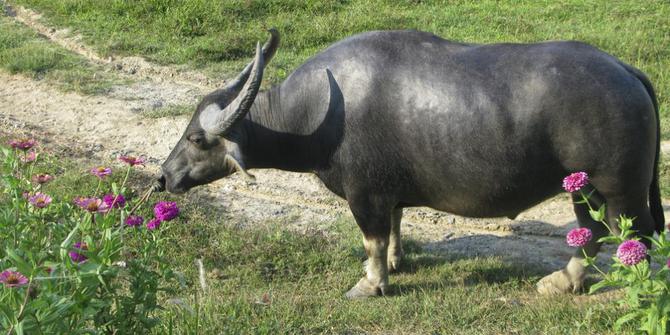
(72, 264)
(647, 286)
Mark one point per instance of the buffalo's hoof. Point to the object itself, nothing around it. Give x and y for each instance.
(364, 289)
(558, 282)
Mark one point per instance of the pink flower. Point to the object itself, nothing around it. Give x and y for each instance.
(134, 220)
(166, 210)
(42, 178)
(118, 201)
(13, 278)
(40, 200)
(101, 171)
(91, 204)
(153, 224)
(132, 160)
(23, 143)
(578, 237)
(29, 157)
(575, 181)
(631, 252)
(76, 256)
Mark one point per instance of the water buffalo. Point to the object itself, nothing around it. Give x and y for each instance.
(394, 119)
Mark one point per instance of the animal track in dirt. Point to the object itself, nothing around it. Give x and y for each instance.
(109, 125)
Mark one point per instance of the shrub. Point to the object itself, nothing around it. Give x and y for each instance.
(82, 265)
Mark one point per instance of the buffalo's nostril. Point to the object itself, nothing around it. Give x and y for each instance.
(159, 184)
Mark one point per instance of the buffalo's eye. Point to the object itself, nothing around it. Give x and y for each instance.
(197, 139)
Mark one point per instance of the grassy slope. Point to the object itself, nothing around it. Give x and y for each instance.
(220, 35)
(23, 51)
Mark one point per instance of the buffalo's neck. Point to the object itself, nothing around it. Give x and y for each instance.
(276, 137)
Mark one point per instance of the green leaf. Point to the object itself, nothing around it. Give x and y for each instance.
(21, 265)
(598, 215)
(599, 285)
(626, 318)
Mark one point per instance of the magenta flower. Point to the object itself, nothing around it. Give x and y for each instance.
(40, 200)
(118, 201)
(29, 157)
(101, 171)
(23, 143)
(42, 178)
(578, 237)
(76, 256)
(153, 224)
(166, 210)
(575, 181)
(13, 278)
(132, 160)
(91, 204)
(631, 252)
(134, 220)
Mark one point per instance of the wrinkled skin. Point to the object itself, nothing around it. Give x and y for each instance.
(395, 119)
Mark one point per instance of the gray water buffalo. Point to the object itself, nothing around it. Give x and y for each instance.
(395, 119)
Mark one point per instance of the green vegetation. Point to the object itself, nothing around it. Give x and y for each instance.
(169, 111)
(219, 36)
(24, 51)
(262, 279)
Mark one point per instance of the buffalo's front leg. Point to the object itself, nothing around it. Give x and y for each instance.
(374, 219)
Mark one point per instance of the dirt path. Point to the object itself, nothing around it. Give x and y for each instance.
(107, 126)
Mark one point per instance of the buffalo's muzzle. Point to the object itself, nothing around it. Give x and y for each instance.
(159, 184)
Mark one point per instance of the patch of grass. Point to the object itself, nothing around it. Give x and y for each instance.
(23, 51)
(272, 281)
(170, 111)
(218, 37)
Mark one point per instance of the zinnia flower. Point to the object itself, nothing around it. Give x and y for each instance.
(578, 237)
(166, 210)
(132, 160)
(134, 220)
(40, 200)
(23, 143)
(77, 257)
(631, 252)
(101, 171)
(29, 157)
(575, 181)
(91, 204)
(42, 178)
(153, 224)
(13, 278)
(109, 199)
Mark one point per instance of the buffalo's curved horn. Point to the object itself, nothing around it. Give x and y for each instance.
(216, 121)
(269, 50)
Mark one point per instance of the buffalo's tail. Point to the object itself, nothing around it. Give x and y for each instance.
(654, 191)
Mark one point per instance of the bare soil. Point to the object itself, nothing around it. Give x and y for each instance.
(112, 124)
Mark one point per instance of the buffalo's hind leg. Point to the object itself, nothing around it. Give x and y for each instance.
(571, 278)
(373, 216)
(628, 202)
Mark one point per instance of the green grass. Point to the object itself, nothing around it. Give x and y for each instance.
(218, 36)
(23, 51)
(304, 278)
(169, 111)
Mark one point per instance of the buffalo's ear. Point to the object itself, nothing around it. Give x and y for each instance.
(217, 121)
